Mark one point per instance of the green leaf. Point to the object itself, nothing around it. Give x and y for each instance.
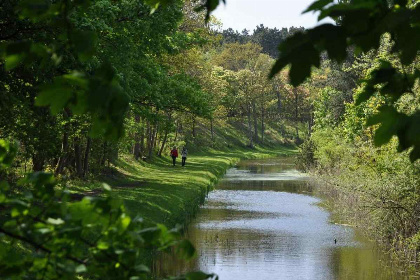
(209, 6)
(318, 5)
(198, 275)
(334, 40)
(407, 38)
(58, 94)
(56, 222)
(3, 198)
(185, 249)
(34, 9)
(84, 43)
(102, 245)
(142, 268)
(39, 263)
(124, 223)
(55, 96)
(81, 268)
(298, 51)
(106, 187)
(12, 61)
(15, 213)
(392, 122)
(415, 154)
(8, 151)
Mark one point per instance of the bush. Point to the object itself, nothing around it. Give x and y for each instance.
(306, 156)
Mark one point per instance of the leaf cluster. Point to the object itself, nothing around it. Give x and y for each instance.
(48, 233)
(361, 24)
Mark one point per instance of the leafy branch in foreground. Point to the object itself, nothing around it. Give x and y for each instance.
(47, 233)
(361, 25)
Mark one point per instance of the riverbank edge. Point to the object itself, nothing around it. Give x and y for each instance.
(172, 196)
(191, 206)
(160, 193)
(336, 201)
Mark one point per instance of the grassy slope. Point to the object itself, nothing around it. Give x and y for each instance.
(170, 195)
(161, 193)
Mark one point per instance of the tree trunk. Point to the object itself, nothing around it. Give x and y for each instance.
(311, 122)
(148, 128)
(37, 162)
(86, 158)
(193, 128)
(278, 102)
(150, 134)
(163, 143)
(251, 136)
(78, 157)
(262, 124)
(254, 110)
(296, 111)
(212, 131)
(155, 136)
(176, 131)
(142, 140)
(62, 161)
(136, 151)
(103, 156)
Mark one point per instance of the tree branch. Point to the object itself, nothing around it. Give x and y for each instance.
(37, 246)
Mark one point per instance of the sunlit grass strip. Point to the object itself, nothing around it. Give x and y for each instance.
(161, 193)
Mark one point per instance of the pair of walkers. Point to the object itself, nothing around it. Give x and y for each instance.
(174, 155)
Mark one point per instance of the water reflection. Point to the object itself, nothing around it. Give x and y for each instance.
(262, 222)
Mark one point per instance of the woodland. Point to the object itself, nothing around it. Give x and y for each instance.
(87, 86)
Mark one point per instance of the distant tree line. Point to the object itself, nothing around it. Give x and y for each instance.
(268, 38)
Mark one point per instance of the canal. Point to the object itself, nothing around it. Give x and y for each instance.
(263, 221)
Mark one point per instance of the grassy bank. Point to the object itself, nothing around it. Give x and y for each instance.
(161, 193)
(352, 207)
(374, 189)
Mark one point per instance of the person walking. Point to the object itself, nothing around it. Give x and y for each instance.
(184, 155)
(174, 155)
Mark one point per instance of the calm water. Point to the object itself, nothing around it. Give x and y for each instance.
(263, 222)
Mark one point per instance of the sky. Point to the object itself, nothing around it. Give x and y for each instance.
(240, 14)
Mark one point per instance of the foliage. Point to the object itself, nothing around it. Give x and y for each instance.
(306, 156)
(83, 224)
(134, 77)
(329, 108)
(267, 38)
(47, 233)
(362, 25)
(372, 187)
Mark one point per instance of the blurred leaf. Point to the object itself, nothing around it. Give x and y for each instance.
(12, 61)
(209, 6)
(318, 5)
(185, 249)
(199, 275)
(81, 268)
(298, 51)
(56, 222)
(124, 223)
(8, 151)
(102, 245)
(56, 96)
(84, 43)
(392, 122)
(142, 268)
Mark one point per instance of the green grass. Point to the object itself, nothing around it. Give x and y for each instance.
(161, 193)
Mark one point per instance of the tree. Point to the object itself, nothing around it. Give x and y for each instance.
(270, 38)
(362, 25)
(237, 56)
